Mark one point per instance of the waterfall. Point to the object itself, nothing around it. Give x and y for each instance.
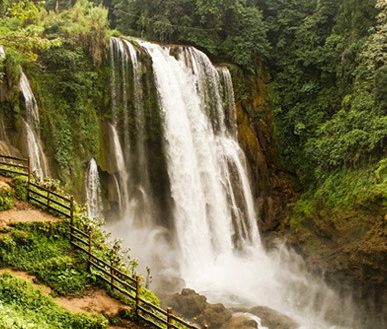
(131, 134)
(93, 191)
(205, 161)
(31, 126)
(211, 236)
(121, 176)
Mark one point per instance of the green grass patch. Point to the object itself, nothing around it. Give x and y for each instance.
(44, 249)
(24, 306)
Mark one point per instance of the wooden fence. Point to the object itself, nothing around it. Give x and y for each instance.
(126, 285)
(129, 287)
(15, 165)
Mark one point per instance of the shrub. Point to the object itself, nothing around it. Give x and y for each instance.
(20, 186)
(6, 199)
(23, 306)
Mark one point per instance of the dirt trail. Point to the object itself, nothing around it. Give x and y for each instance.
(30, 278)
(5, 179)
(94, 301)
(24, 212)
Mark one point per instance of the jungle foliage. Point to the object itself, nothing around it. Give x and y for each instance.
(329, 84)
(233, 30)
(327, 60)
(24, 306)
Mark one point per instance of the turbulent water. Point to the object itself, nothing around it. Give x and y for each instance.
(185, 203)
(31, 126)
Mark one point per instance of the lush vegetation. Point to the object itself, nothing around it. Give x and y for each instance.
(234, 30)
(68, 80)
(6, 198)
(329, 72)
(24, 306)
(44, 249)
(327, 60)
(328, 65)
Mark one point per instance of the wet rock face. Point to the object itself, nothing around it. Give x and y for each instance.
(273, 319)
(195, 308)
(241, 322)
(271, 187)
(270, 318)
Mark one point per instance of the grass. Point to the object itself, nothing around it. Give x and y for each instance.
(43, 248)
(23, 306)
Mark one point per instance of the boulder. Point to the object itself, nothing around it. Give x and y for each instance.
(194, 307)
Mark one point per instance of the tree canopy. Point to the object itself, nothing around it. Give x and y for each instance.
(327, 60)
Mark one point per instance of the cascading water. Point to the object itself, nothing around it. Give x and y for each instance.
(121, 176)
(31, 127)
(93, 191)
(217, 243)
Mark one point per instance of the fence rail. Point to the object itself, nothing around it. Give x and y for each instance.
(128, 286)
(15, 165)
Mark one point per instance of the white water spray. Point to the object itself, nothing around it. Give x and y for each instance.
(218, 245)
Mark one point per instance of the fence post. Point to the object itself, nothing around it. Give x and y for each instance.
(48, 200)
(169, 318)
(137, 296)
(29, 177)
(71, 217)
(112, 273)
(89, 249)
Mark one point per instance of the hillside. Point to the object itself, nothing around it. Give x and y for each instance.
(209, 134)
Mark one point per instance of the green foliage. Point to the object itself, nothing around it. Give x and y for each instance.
(83, 25)
(233, 30)
(24, 306)
(44, 249)
(6, 199)
(329, 72)
(362, 191)
(72, 95)
(20, 186)
(21, 29)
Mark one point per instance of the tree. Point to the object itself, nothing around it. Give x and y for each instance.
(233, 30)
(21, 28)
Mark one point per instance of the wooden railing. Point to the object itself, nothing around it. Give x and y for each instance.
(81, 239)
(128, 286)
(15, 165)
(50, 200)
